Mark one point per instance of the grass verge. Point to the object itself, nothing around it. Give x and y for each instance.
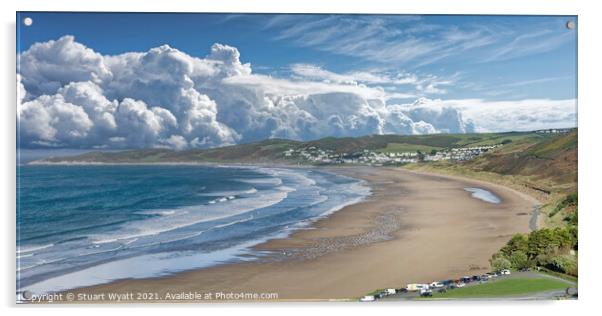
(507, 287)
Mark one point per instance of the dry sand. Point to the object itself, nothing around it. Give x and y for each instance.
(415, 228)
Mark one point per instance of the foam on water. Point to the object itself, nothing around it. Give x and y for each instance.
(145, 266)
(230, 193)
(32, 248)
(189, 216)
(169, 240)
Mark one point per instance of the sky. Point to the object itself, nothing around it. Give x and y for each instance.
(122, 80)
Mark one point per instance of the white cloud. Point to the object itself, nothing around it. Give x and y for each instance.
(92, 100)
(53, 121)
(536, 42)
(177, 142)
(21, 92)
(280, 86)
(387, 39)
(141, 125)
(45, 67)
(425, 84)
(315, 72)
(421, 40)
(71, 96)
(502, 116)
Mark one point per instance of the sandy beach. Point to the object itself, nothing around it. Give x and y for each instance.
(414, 228)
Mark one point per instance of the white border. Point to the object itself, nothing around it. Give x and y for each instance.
(589, 140)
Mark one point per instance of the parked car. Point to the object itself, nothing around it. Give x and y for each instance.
(437, 285)
(417, 286)
(367, 298)
(426, 292)
(391, 291)
(460, 284)
(447, 282)
(505, 272)
(476, 278)
(466, 279)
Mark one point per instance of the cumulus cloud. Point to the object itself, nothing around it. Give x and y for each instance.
(503, 116)
(91, 99)
(72, 96)
(50, 120)
(45, 67)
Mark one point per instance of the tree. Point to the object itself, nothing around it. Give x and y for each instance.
(564, 264)
(564, 238)
(499, 263)
(518, 242)
(574, 231)
(519, 260)
(540, 242)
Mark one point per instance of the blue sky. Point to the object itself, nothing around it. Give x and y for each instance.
(514, 57)
(124, 80)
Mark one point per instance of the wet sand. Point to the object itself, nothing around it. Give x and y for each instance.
(414, 228)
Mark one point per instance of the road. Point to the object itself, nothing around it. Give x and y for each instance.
(534, 218)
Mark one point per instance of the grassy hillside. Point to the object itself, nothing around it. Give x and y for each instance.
(551, 163)
(266, 151)
(546, 165)
(396, 143)
(272, 150)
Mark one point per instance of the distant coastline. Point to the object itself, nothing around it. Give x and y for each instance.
(410, 219)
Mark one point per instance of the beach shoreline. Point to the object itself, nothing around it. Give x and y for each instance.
(416, 227)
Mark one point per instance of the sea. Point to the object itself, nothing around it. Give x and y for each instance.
(81, 225)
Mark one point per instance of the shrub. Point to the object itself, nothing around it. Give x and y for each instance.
(519, 242)
(564, 237)
(569, 200)
(571, 218)
(499, 263)
(519, 260)
(540, 242)
(543, 260)
(564, 264)
(574, 231)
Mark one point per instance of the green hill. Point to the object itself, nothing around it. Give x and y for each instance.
(272, 150)
(550, 163)
(545, 168)
(540, 164)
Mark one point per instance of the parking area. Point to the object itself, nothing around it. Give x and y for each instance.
(434, 289)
